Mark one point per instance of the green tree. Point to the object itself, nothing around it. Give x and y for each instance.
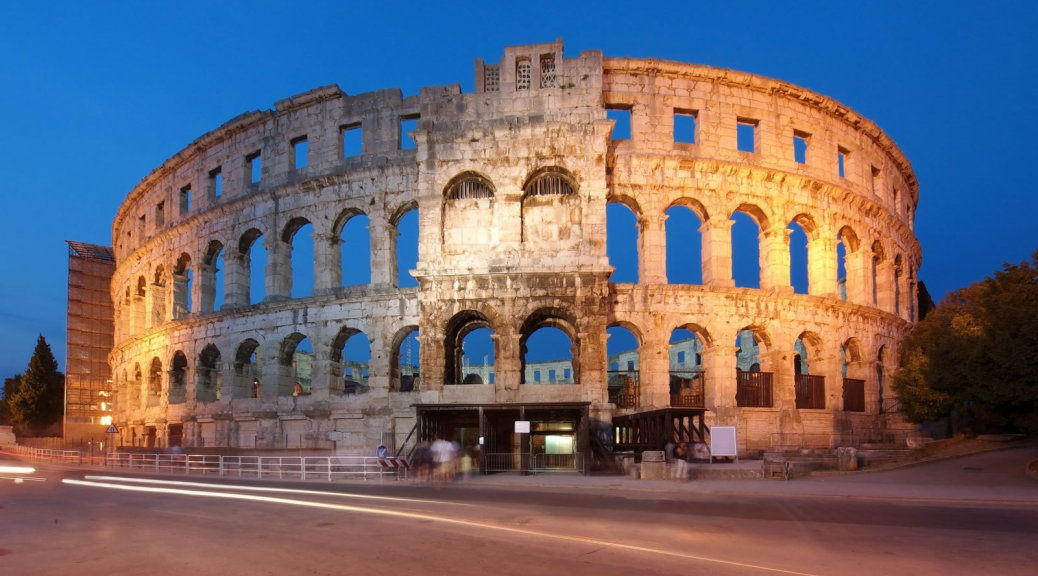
(11, 387)
(37, 405)
(973, 358)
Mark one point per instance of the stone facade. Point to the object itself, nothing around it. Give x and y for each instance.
(511, 185)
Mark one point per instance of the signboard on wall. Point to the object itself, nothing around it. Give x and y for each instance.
(522, 426)
(723, 442)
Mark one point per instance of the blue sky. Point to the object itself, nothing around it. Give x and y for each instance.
(97, 94)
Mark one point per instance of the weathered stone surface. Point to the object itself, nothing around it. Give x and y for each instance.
(511, 185)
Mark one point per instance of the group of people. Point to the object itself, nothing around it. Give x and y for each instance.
(441, 461)
(679, 454)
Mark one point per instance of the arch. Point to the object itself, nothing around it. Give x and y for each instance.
(684, 253)
(550, 181)
(623, 365)
(158, 297)
(138, 386)
(298, 234)
(697, 207)
(754, 386)
(208, 386)
(154, 381)
(351, 350)
(852, 348)
(878, 259)
(355, 261)
(212, 285)
(469, 185)
(458, 328)
(405, 244)
(142, 286)
(183, 278)
(548, 329)
(254, 263)
(621, 245)
(809, 389)
(405, 360)
(685, 367)
(248, 370)
(178, 378)
(295, 365)
(746, 250)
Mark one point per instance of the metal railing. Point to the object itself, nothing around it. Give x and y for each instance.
(753, 389)
(810, 392)
(260, 467)
(535, 463)
(63, 456)
(686, 389)
(623, 388)
(853, 395)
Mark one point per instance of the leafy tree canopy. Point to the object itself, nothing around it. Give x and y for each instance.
(974, 357)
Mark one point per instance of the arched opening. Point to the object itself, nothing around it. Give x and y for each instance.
(622, 242)
(466, 194)
(183, 277)
(406, 249)
(877, 263)
(684, 246)
(469, 348)
(208, 387)
(881, 358)
(158, 297)
(809, 388)
(551, 210)
(299, 235)
(296, 363)
(355, 251)
(547, 357)
(745, 250)
(853, 384)
(798, 265)
(254, 264)
(351, 349)
(754, 387)
(623, 367)
(248, 370)
(685, 360)
(154, 382)
(178, 378)
(897, 285)
(137, 388)
(405, 364)
(212, 277)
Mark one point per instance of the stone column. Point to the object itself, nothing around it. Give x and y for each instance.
(327, 263)
(654, 370)
(652, 252)
(885, 286)
(383, 252)
(326, 378)
(508, 366)
(779, 361)
(717, 252)
(821, 266)
(857, 267)
(278, 276)
(774, 259)
(719, 375)
(180, 296)
(236, 279)
(206, 288)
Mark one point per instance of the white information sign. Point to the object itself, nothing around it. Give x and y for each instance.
(522, 426)
(722, 442)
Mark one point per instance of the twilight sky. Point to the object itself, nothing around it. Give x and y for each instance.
(97, 94)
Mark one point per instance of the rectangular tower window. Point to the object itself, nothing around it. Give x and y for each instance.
(681, 357)
(352, 140)
(685, 126)
(566, 373)
(873, 177)
(522, 74)
(842, 155)
(141, 227)
(800, 146)
(547, 71)
(216, 181)
(492, 77)
(160, 215)
(746, 135)
(185, 199)
(551, 375)
(300, 153)
(254, 166)
(621, 118)
(536, 375)
(408, 124)
(897, 205)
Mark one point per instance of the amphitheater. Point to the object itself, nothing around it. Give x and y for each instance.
(513, 193)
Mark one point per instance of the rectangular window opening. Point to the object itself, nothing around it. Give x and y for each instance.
(841, 160)
(254, 166)
(873, 177)
(185, 199)
(685, 126)
(300, 153)
(408, 124)
(216, 181)
(621, 118)
(522, 74)
(142, 223)
(547, 70)
(352, 140)
(536, 375)
(800, 146)
(566, 373)
(160, 214)
(746, 135)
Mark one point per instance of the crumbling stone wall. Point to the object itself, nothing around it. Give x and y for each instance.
(511, 185)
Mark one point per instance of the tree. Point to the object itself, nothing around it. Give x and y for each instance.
(973, 358)
(37, 404)
(11, 387)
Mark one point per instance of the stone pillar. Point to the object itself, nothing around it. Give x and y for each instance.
(140, 311)
(206, 288)
(327, 263)
(236, 279)
(654, 370)
(278, 277)
(378, 371)
(158, 304)
(432, 357)
(821, 266)
(774, 259)
(779, 361)
(508, 366)
(383, 252)
(719, 376)
(652, 251)
(857, 267)
(180, 296)
(326, 378)
(872, 386)
(717, 252)
(885, 286)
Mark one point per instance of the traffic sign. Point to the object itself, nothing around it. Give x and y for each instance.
(382, 452)
(111, 429)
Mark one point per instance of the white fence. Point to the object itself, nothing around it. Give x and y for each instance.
(36, 454)
(261, 467)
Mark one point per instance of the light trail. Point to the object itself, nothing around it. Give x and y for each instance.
(400, 514)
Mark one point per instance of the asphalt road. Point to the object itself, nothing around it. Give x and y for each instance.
(80, 522)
